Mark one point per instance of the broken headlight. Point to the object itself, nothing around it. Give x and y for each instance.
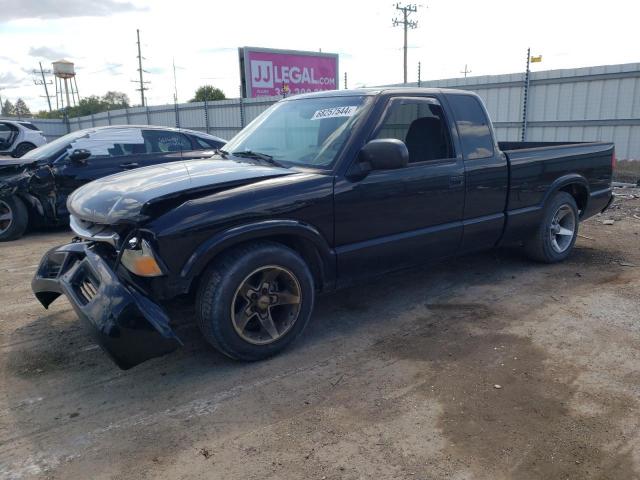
(139, 259)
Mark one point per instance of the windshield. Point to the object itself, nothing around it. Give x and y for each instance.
(48, 149)
(308, 132)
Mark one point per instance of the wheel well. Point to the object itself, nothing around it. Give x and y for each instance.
(23, 143)
(305, 248)
(579, 193)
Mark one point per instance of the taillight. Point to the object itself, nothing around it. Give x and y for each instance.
(614, 160)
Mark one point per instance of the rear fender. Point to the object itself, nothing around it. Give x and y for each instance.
(563, 181)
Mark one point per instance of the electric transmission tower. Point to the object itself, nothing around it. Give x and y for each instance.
(141, 81)
(407, 24)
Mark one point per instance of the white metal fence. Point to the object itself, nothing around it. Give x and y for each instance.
(582, 104)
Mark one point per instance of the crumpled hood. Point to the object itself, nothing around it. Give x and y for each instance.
(11, 165)
(123, 196)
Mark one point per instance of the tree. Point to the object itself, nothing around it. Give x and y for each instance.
(117, 99)
(8, 110)
(21, 109)
(208, 93)
(111, 100)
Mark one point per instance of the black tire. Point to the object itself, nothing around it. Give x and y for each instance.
(17, 225)
(23, 148)
(541, 247)
(220, 284)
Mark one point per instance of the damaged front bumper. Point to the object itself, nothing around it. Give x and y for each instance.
(125, 323)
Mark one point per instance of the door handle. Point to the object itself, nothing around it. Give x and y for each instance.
(129, 165)
(456, 180)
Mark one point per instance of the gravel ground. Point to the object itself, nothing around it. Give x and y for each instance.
(486, 367)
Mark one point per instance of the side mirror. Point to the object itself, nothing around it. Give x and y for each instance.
(385, 154)
(80, 156)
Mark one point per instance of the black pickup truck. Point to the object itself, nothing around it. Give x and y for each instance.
(318, 192)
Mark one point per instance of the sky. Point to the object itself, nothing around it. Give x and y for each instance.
(202, 38)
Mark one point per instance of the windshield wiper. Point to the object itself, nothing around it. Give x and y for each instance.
(221, 152)
(258, 156)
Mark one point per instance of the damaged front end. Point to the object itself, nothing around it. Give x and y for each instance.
(129, 326)
(35, 185)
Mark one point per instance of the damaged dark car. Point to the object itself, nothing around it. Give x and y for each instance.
(35, 187)
(318, 192)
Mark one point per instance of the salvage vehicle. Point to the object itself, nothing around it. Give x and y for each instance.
(318, 192)
(34, 188)
(18, 137)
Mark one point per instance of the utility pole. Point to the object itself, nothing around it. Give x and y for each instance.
(465, 71)
(406, 24)
(524, 98)
(44, 82)
(142, 87)
(175, 82)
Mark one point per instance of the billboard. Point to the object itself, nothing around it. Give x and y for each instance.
(266, 72)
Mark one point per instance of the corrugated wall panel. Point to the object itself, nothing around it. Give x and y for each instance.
(581, 104)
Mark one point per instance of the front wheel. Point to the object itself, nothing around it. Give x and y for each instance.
(14, 218)
(255, 300)
(556, 236)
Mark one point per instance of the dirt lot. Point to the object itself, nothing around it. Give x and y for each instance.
(396, 379)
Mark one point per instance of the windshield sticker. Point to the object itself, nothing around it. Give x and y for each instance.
(346, 111)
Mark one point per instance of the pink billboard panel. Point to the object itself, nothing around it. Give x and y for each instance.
(270, 72)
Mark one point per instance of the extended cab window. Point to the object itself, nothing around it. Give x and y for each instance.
(473, 126)
(420, 124)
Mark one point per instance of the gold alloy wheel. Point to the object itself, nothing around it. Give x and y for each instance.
(266, 305)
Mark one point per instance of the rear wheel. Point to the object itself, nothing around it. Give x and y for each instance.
(14, 218)
(255, 300)
(556, 236)
(22, 149)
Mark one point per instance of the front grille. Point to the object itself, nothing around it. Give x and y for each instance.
(85, 285)
(93, 231)
(88, 290)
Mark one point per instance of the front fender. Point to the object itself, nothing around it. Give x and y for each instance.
(208, 250)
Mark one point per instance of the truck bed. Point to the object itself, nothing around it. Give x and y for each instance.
(537, 168)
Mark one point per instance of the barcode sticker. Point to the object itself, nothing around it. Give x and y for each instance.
(346, 111)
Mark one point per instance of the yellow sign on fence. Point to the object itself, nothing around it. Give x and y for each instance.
(536, 59)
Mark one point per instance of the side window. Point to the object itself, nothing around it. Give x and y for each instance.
(162, 141)
(111, 142)
(421, 125)
(206, 143)
(473, 127)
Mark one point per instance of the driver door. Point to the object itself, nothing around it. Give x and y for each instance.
(391, 219)
(8, 134)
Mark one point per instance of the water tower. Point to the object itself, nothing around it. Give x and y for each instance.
(65, 77)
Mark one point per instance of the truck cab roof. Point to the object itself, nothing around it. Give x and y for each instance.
(375, 91)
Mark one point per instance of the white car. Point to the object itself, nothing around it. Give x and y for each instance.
(18, 137)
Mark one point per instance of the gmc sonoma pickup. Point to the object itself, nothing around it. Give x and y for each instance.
(320, 191)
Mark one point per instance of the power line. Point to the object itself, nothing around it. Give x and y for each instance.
(406, 24)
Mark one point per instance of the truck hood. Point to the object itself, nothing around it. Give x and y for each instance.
(125, 196)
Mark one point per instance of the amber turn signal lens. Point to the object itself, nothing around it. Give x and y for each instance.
(141, 261)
